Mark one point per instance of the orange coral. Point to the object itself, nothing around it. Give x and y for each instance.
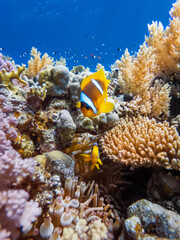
(143, 142)
(35, 64)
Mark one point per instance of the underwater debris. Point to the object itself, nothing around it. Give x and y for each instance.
(141, 142)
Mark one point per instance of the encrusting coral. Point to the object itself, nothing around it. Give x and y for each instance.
(35, 64)
(5, 63)
(139, 142)
(7, 77)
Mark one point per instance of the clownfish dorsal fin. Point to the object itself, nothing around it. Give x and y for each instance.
(100, 75)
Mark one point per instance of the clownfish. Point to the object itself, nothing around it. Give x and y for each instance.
(94, 157)
(93, 98)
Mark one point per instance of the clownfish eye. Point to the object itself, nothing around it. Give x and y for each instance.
(87, 107)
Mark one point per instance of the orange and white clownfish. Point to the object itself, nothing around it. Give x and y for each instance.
(93, 157)
(94, 98)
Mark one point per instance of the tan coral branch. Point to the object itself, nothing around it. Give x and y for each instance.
(143, 142)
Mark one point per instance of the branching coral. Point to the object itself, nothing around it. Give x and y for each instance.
(13, 169)
(35, 64)
(14, 209)
(165, 43)
(136, 73)
(158, 55)
(135, 77)
(143, 142)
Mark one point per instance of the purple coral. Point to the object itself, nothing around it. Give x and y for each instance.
(11, 163)
(5, 64)
(15, 210)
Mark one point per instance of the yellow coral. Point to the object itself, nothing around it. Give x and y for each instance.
(6, 78)
(35, 64)
(143, 142)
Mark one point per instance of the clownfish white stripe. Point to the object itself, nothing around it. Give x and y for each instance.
(97, 85)
(84, 98)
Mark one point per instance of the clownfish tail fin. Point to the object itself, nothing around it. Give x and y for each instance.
(99, 161)
(97, 165)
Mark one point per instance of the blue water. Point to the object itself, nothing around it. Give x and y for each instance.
(84, 32)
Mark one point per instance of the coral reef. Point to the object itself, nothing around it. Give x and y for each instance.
(56, 194)
(80, 212)
(165, 42)
(143, 142)
(13, 169)
(157, 56)
(35, 64)
(56, 79)
(158, 223)
(7, 77)
(5, 64)
(136, 75)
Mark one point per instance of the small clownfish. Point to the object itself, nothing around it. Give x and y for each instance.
(93, 98)
(94, 157)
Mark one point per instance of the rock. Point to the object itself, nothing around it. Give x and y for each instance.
(147, 220)
(65, 129)
(176, 203)
(59, 163)
(56, 78)
(61, 76)
(163, 185)
(45, 75)
(75, 91)
(112, 118)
